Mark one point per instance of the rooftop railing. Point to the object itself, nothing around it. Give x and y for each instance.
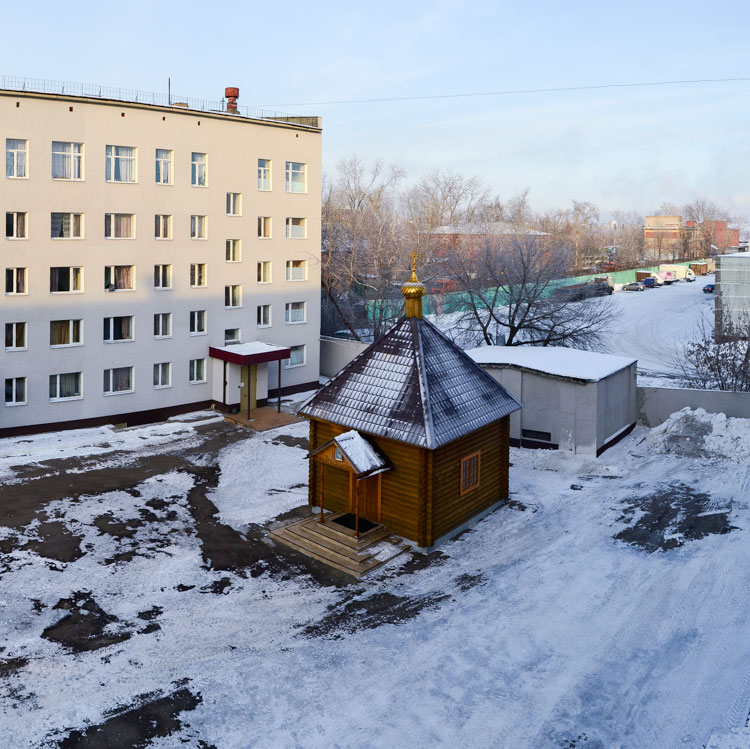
(93, 91)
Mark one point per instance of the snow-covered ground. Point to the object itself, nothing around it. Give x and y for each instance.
(606, 606)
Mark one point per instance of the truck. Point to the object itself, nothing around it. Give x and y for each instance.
(640, 275)
(667, 276)
(601, 286)
(681, 272)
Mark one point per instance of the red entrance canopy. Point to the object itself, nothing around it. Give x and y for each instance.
(245, 354)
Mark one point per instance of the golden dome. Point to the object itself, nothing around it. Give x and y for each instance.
(413, 291)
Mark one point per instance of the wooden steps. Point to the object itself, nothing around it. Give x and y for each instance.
(337, 546)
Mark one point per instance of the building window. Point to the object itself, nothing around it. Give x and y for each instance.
(16, 225)
(197, 227)
(118, 380)
(15, 336)
(338, 455)
(197, 371)
(65, 386)
(66, 332)
(162, 276)
(296, 176)
(66, 225)
(198, 175)
(296, 270)
(120, 164)
(264, 271)
(163, 166)
(234, 250)
(232, 335)
(119, 226)
(67, 160)
(118, 329)
(119, 277)
(232, 296)
(295, 312)
(296, 228)
(162, 226)
(234, 204)
(15, 391)
(163, 375)
(264, 227)
(198, 322)
(198, 275)
(16, 158)
(16, 280)
(163, 325)
(264, 315)
(264, 174)
(470, 472)
(65, 280)
(296, 357)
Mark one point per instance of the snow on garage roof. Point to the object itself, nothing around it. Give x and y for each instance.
(552, 360)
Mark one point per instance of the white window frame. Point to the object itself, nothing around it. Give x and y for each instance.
(14, 327)
(198, 316)
(289, 308)
(73, 219)
(12, 164)
(17, 272)
(264, 175)
(107, 381)
(161, 161)
(197, 371)
(71, 332)
(158, 379)
(111, 320)
(162, 320)
(198, 272)
(14, 235)
(296, 168)
(288, 364)
(110, 225)
(233, 251)
(112, 273)
(290, 268)
(14, 388)
(234, 204)
(261, 316)
(199, 169)
(162, 226)
(72, 159)
(233, 293)
(265, 227)
(162, 276)
(291, 225)
(198, 227)
(73, 277)
(113, 160)
(263, 266)
(58, 398)
(235, 339)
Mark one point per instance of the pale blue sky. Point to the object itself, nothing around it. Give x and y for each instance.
(618, 148)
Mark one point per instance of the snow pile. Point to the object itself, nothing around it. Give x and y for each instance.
(699, 434)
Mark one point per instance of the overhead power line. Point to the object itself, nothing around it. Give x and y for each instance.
(511, 92)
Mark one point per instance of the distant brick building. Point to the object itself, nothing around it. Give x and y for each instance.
(666, 237)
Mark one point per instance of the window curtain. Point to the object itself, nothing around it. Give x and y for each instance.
(121, 378)
(60, 225)
(61, 160)
(122, 328)
(59, 279)
(69, 385)
(122, 277)
(123, 225)
(124, 163)
(59, 333)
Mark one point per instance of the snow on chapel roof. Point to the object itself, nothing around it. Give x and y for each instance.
(413, 385)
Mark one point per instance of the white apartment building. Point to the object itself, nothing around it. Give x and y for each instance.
(156, 259)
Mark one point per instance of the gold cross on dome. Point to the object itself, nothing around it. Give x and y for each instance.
(414, 255)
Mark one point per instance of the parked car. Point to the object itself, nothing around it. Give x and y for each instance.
(635, 286)
(649, 283)
(708, 288)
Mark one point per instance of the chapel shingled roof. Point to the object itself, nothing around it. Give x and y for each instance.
(413, 385)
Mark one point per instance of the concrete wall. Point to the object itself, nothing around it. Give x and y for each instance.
(233, 146)
(336, 353)
(616, 404)
(655, 405)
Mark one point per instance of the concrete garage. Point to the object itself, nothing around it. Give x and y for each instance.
(573, 400)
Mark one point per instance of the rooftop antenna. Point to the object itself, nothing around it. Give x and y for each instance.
(169, 91)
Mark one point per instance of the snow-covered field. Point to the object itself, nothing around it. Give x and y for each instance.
(606, 606)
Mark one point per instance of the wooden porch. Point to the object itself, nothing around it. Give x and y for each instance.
(263, 418)
(337, 546)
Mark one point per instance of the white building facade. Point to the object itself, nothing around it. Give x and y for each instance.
(139, 236)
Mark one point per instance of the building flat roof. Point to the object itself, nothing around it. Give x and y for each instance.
(254, 352)
(557, 361)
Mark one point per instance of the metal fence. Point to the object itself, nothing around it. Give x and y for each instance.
(93, 91)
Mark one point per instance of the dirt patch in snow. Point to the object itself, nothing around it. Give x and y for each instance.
(137, 726)
(56, 542)
(284, 439)
(670, 517)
